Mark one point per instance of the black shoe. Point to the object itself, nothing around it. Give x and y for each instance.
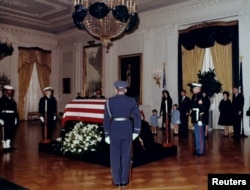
(5, 150)
(225, 135)
(197, 154)
(124, 184)
(12, 149)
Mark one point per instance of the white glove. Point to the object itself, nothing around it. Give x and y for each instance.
(134, 136)
(1, 122)
(15, 121)
(42, 119)
(54, 118)
(107, 140)
(200, 123)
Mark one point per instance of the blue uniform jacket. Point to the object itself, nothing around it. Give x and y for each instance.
(121, 106)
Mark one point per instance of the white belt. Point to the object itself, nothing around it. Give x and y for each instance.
(120, 118)
(8, 111)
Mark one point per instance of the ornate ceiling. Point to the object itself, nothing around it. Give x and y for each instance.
(54, 16)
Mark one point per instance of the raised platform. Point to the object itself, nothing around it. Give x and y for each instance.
(141, 155)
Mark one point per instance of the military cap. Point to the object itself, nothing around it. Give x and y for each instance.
(47, 88)
(8, 87)
(121, 84)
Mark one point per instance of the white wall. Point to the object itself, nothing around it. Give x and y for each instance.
(156, 39)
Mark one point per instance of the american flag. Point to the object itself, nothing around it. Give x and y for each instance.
(164, 77)
(86, 110)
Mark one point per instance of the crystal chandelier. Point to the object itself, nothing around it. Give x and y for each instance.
(106, 20)
(6, 49)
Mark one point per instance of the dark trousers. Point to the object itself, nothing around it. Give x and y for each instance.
(183, 130)
(237, 125)
(120, 160)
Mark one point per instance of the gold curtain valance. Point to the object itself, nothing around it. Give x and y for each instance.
(28, 56)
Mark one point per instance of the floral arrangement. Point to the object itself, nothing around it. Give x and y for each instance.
(209, 82)
(82, 138)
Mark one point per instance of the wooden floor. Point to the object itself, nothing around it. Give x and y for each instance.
(39, 171)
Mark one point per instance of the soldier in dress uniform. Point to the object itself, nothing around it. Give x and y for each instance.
(120, 131)
(8, 118)
(197, 112)
(48, 112)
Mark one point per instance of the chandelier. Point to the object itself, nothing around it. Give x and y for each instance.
(106, 20)
(6, 49)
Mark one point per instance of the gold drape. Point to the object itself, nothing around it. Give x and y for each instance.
(222, 58)
(191, 64)
(27, 58)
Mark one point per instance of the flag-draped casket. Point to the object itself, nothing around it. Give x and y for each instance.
(85, 110)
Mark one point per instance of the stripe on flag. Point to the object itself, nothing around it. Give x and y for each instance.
(84, 110)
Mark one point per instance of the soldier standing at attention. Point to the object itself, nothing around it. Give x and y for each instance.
(48, 112)
(8, 118)
(120, 131)
(197, 107)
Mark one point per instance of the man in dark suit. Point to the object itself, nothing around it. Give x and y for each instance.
(120, 130)
(184, 107)
(237, 109)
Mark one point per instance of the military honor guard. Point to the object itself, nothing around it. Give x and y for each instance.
(48, 113)
(122, 124)
(197, 112)
(8, 118)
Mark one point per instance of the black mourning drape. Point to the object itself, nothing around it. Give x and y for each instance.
(204, 36)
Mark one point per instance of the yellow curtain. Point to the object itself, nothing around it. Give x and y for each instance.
(43, 63)
(191, 64)
(222, 58)
(27, 58)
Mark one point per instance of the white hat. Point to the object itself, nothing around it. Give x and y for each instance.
(196, 84)
(47, 88)
(8, 87)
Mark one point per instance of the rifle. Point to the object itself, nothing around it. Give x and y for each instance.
(45, 140)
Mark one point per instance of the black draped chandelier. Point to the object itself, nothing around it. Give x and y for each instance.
(106, 20)
(6, 49)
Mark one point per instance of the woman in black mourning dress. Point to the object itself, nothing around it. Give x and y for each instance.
(225, 108)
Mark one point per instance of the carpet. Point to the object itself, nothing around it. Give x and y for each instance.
(150, 152)
(7, 185)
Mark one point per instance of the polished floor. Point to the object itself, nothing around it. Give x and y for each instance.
(39, 171)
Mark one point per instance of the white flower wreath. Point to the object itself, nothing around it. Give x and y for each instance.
(83, 137)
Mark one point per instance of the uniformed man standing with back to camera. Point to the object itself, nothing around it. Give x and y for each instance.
(8, 118)
(120, 131)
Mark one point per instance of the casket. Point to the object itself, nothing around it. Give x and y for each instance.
(85, 110)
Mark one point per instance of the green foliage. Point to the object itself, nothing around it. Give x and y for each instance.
(209, 82)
